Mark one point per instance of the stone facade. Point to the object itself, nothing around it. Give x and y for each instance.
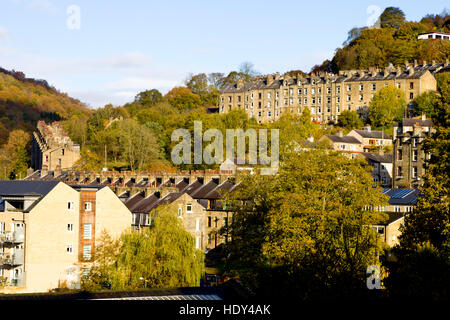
(52, 149)
(266, 98)
(408, 154)
(51, 232)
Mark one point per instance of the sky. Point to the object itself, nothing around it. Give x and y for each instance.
(104, 52)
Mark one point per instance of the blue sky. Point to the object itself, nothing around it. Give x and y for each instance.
(124, 47)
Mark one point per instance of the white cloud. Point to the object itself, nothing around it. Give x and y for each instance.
(4, 35)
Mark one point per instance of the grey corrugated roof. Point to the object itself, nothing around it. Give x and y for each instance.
(26, 187)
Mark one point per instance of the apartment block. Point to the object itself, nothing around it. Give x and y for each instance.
(326, 95)
(52, 149)
(48, 232)
(408, 154)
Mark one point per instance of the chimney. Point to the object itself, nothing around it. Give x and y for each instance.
(433, 62)
(424, 117)
(406, 63)
(240, 83)
(415, 63)
(446, 63)
(277, 76)
(381, 151)
(367, 128)
(340, 133)
(269, 79)
(411, 71)
(424, 62)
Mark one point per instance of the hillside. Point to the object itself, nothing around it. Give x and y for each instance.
(392, 40)
(24, 101)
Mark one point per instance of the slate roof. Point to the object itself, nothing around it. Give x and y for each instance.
(385, 158)
(26, 187)
(343, 139)
(411, 121)
(373, 134)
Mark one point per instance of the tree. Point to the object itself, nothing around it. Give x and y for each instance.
(426, 103)
(392, 17)
(163, 256)
(199, 85)
(349, 119)
(148, 98)
(304, 233)
(183, 99)
(138, 143)
(14, 156)
(386, 106)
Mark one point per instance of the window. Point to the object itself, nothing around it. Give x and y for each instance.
(399, 172)
(313, 100)
(260, 95)
(239, 98)
(291, 91)
(87, 231)
(319, 90)
(268, 104)
(361, 97)
(338, 99)
(197, 224)
(305, 90)
(399, 155)
(313, 90)
(411, 95)
(338, 89)
(415, 153)
(305, 101)
(229, 98)
(269, 113)
(69, 248)
(328, 90)
(189, 205)
(180, 212)
(291, 101)
(411, 85)
(328, 99)
(361, 87)
(374, 86)
(70, 227)
(269, 95)
(397, 209)
(209, 221)
(197, 242)
(414, 172)
(70, 205)
(349, 87)
(87, 252)
(62, 152)
(398, 85)
(349, 97)
(87, 206)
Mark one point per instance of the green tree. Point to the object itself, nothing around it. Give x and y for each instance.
(386, 106)
(149, 98)
(305, 232)
(426, 103)
(349, 120)
(392, 17)
(14, 156)
(163, 256)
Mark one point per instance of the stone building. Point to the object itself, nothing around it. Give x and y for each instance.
(49, 229)
(52, 149)
(382, 167)
(371, 140)
(408, 154)
(326, 95)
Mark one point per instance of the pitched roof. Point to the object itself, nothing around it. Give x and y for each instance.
(344, 139)
(26, 187)
(409, 122)
(373, 134)
(382, 158)
(401, 196)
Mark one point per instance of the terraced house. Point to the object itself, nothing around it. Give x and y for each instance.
(266, 98)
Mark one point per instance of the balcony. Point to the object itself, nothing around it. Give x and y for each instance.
(15, 259)
(12, 237)
(17, 281)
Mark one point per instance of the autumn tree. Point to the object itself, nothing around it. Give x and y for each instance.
(305, 233)
(14, 155)
(148, 98)
(163, 256)
(349, 119)
(386, 106)
(183, 99)
(392, 17)
(426, 103)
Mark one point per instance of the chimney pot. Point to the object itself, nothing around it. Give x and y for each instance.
(340, 133)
